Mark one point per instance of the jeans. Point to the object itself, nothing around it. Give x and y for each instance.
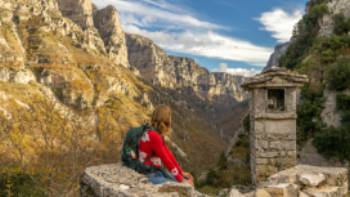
(159, 178)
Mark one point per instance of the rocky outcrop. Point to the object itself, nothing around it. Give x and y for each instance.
(308, 181)
(172, 72)
(330, 116)
(302, 181)
(108, 25)
(280, 50)
(335, 7)
(116, 180)
(79, 11)
(64, 93)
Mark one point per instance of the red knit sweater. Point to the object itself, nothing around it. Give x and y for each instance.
(154, 152)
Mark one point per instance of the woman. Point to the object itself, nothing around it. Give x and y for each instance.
(154, 152)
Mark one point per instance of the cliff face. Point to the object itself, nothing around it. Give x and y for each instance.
(108, 24)
(279, 51)
(173, 72)
(79, 12)
(320, 49)
(67, 98)
(327, 21)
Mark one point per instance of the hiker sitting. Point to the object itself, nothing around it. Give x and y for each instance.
(153, 154)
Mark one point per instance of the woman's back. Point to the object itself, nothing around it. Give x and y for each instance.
(154, 152)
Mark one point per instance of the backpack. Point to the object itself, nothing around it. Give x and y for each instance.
(130, 151)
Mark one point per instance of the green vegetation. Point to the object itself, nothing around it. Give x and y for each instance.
(20, 184)
(304, 35)
(334, 142)
(232, 171)
(326, 60)
(309, 114)
(339, 73)
(342, 25)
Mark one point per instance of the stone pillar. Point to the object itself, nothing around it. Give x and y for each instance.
(273, 121)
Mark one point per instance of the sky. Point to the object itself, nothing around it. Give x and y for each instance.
(235, 36)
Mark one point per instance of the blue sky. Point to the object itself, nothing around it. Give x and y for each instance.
(235, 36)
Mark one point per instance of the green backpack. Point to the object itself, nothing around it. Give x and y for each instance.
(130, 151)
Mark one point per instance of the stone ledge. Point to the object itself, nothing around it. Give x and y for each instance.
(115, 180)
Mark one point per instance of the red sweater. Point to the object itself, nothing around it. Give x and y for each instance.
(154, 152)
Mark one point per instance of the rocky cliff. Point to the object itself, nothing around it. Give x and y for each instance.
(180, 73)
(320, 48)
(108, 24)
(279, 51)
(67, 95)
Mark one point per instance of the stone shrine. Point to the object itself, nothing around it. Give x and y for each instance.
(273, 121)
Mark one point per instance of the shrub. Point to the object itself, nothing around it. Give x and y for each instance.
(222, 163)
(212, 178)
(19, 184)
(309, 120)
(343, 102)
(341, 24)
(338, 75)
(334, 143)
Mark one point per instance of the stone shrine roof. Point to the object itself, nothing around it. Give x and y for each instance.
(276, 77)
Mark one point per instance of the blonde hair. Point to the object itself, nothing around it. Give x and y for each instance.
(161, 119)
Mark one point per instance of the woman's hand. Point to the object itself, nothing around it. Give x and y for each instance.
(188, 178)
(189, 181)
(187, 175)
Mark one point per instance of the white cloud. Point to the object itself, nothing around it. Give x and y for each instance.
(177, 29)
(158, 11)
(280, 23)
(207, 44)
(223, 67)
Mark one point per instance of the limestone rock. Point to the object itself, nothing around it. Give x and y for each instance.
(282, 190)
(303, 194)
(116, 180)
(235, 193)
(21, 76)
(262, 193)
(71, 89)
(317, 179)
(325, 192)
(108, 24)
(156, 67)
(326, 23)
(79, 11)
(312, 180)
(280, 50)
(329, 114)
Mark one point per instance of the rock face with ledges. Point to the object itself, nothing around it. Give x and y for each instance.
(173, 72)
(335, 7)
(79, 11)
(64, 86)
(280, 50)
(108, 25)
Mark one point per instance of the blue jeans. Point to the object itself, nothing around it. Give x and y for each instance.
(159, 178)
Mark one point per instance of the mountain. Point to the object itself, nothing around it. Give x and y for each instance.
(320, 48)
(220, 93)
(71, 85)
(172, 72)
